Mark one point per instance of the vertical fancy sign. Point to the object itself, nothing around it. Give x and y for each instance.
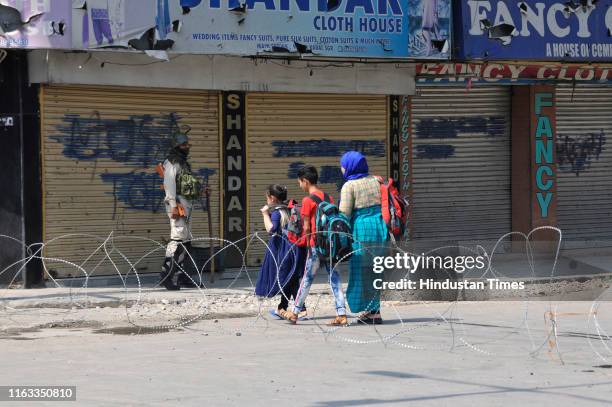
(543, 156)
(234, 171)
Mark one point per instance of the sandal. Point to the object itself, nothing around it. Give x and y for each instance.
(290, 316)
(340, 320)
(275, 314)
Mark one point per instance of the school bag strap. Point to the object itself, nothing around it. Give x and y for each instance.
(278, 207)
(385, 202)
(318, 200)
(384, 199)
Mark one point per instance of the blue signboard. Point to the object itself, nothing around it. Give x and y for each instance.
(331, 28)
(574, 30)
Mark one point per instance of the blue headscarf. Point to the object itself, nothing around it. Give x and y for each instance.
(355, 165)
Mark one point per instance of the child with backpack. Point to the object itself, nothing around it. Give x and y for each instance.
(360, 201)
(307, 179)
(283, 262)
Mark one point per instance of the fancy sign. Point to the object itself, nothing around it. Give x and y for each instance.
(544, 29)
(544, 153)
(449, 73)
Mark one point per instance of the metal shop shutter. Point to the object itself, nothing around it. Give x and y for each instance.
(286, 131)
(100, 147)
(461, 170)
(584, 176)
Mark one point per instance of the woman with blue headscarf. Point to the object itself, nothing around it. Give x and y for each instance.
(361, 202)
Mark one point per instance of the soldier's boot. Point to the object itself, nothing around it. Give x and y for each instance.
(167, 275)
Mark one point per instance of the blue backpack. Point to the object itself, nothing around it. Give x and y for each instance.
(333, 239)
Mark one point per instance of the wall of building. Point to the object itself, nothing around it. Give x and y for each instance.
(219, 73)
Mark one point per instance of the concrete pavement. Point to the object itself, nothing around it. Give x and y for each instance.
(430, 354)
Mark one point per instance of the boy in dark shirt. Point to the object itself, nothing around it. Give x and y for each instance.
(308, 178)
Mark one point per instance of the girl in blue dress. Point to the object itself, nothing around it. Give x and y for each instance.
(283, 263)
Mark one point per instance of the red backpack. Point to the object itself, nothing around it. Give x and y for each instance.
(394, 208)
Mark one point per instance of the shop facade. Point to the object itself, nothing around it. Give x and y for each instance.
(461, 163)
(100, 147)
(460, 137)
(543, 119)
(101, 141)
(502, 98)
(259, 95)
(584, 161)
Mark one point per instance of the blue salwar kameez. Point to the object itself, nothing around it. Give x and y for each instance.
(369, 235)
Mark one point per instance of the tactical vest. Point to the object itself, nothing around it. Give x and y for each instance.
(187, 185)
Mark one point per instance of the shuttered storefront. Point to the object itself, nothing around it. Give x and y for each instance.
(100, 148)
(286, 131)
(461, 169)
(584, 175)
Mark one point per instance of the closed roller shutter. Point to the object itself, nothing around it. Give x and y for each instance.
(286, 131)
(584, 176)
(100, 148)
(461, 170)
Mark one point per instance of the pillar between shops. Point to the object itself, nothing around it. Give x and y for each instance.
(534, 168)
(21, 204)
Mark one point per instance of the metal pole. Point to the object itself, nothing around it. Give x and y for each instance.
(210, 235)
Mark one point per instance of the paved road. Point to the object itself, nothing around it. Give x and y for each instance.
(436, 354)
